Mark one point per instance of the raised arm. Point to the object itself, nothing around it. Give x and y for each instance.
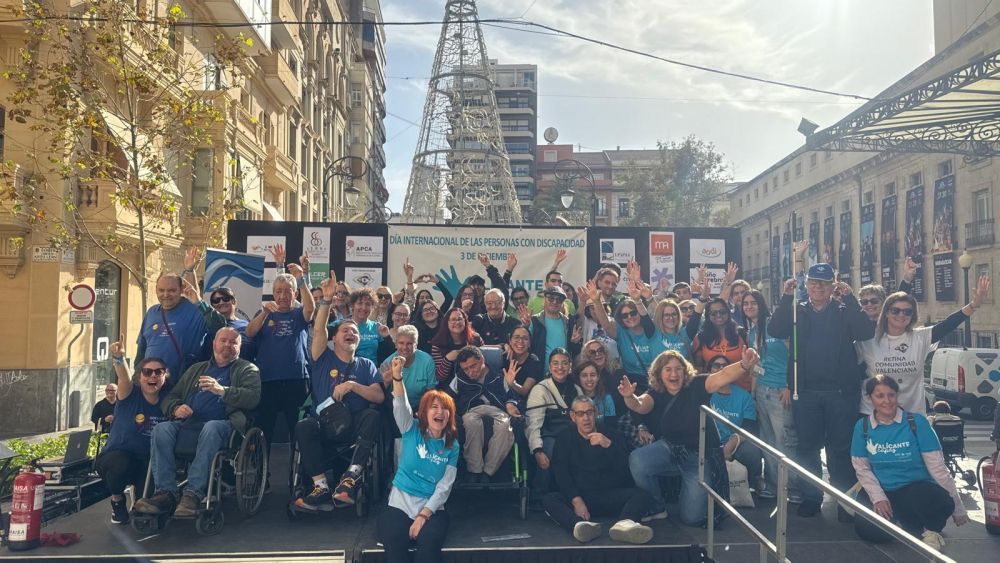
(598, 312)
(320, 334)
(640, 404)
(733, 372)
(780, 325)
(117, 352)
(301, 274)
(941, 329)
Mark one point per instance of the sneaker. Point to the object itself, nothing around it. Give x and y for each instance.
(162, 502)
(346, 491)
(119, 513)
(809, 508)
(661, 515)
(187, 507)
(795, 498)
(630, 531)
(768, 494)
(933, 539)
(318, 499)
(585, 531)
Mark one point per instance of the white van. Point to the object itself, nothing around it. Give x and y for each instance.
(967, 378)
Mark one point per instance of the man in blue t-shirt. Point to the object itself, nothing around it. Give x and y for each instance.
(217, 395)
(338, 376)
(551, 328)
(172, 330)
(734, 403)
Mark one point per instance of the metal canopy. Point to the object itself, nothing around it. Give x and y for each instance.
(956, 113)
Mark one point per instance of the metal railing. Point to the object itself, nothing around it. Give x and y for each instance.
(779, 547)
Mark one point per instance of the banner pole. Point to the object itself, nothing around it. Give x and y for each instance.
(795, 322)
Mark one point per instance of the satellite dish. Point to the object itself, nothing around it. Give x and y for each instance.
(551, 134)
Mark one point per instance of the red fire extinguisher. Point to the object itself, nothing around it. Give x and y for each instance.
(989, 484)
(26, 509)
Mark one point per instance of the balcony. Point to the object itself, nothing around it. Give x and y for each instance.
(98, 209)
(11, 10)
(252, 12)
(285, 33)
(279, 170)
(280, 78)
(979, 233)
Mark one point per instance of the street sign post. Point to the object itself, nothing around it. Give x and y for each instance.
(82, 297)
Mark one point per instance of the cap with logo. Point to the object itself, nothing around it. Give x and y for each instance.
(820, 272)
(555, 291)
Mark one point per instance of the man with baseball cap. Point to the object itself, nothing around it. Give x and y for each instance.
(551, 328)
(828, 384)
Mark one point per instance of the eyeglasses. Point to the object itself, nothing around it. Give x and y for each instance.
(872, 301)
(629, 314)
(153, 372)
(718, 313)
(429, 310)
(590, 413)
(687, 309)
(896, 311)
(671, 315)
(342, 294)
(383, 297)
(596, 352)
(400, 315)
(222, 299)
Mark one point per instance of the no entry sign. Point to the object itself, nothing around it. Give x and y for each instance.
(82, 297)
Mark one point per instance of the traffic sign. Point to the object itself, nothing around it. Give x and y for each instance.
(81, 317)
(82, 297)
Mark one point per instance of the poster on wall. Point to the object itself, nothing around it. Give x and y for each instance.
(943, 238)
(867, 242)
(241, 272)
(813, 243)
(453, 253)
(708, 251)
(914, 244)
(316, 246)
(846, 252)
(786, 255)
(798, 232)
(776, 275)
(363, 249)
(263, 246)
(888, 244)
(828, 255)
(357, 277)
(662, 268)
(715, 275)
(618, 251)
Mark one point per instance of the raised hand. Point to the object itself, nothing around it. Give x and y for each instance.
(801, 248)
(749, 359)
(425, 278)
(511, 261)
(510, 374)
(842, 289)
(117, 348)
(449, 280)
(189, 291)
(560, 257)
(279, 254)
(634, 289)
(408, 270)
(397, 366)
(981, 292)
(295, 270)
(524, 315)
(329, 286)
(702, 274)
(626, 387)
(383, 330)
(304, 262)
(731, 270)
(646, 290)
(271, 307)
(484, 260)
(577, 335)
(789, 288)
(192, 256)
(909, 270)
(593, 293)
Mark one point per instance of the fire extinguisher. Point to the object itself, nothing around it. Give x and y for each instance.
(26, 509)
(989, 484)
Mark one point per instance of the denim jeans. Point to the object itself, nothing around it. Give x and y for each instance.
(213, 437)
(776, 429)
(652, 461)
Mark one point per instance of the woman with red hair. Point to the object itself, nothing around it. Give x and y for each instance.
(428, 463)
(453, 334)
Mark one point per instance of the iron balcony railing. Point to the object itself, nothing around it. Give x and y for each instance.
(979, 233)
(779, 547)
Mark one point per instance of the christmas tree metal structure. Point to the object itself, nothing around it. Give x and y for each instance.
(461, 170)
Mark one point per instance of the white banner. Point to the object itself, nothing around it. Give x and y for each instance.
(363, 249)
(662, 266)
(707, 251)
(263, 245)
(242, 273)
(362, 277)
(453, 254)
(316, 246)
(618, 251)
(715, 275)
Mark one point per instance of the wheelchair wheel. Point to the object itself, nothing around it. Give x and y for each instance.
(251, 471)
(148, 524)
(361, 503)
(524, 501)
(209, 522)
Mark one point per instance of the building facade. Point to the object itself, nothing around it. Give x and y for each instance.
(516, 89)
(867, 212)
(286, 115)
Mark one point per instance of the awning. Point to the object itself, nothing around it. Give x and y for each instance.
(956, 113)
(121, 130)
(271, 211)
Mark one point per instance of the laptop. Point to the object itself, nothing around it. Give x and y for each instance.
(55, 468)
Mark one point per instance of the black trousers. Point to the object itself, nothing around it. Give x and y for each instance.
(119, 469)
(919, 506)
(394, 533)
(283, 397)
(624, 504)
(317, 451)
(825, 420)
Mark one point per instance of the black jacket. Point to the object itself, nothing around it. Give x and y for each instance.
(538, 336)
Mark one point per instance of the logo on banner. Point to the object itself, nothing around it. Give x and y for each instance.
(364, 249)
(618, 251)
(710, 251)
(661, 245)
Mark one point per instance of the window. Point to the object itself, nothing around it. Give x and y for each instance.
(845, 205)
(517, 148)
(798, 169)
(786, 176)
(202, 171)
(748, 199)
(520, 170)
(623, 207)
(765, 188)
(525, 191)
(815, 216)
(602, 207)
(774, 182)
(355, 97)
(916, 179)
(293, 139)
(550, 156)
(869, 197)
(741, 204)
(529, 77)
(758, 240)
(829, 211)
(213, 74)
(944, 168)
(982, 205)
(813, 160)
(756, 194)
(889, 189)
(748, 244)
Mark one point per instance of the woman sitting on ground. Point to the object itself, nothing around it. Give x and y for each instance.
(428, 465)
(547, 413)
(899, 463)
(125, 457)
(671, 431)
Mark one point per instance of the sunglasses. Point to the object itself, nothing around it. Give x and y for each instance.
(342, 294)
(383, 297)
(872, 301)
(629, 314)
(222, 299)
(718, 313)
(896, 311)
(596, 352)
(688, 309)
(153, 372)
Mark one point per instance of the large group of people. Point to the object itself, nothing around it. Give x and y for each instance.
(603, 387)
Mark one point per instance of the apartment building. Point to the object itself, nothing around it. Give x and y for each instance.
(516, 89)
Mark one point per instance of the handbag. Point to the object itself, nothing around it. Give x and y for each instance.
(739, 485)
(336, 419)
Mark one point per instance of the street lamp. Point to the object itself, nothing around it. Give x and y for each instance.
(352, 167)
(569, 169)
(965, 261)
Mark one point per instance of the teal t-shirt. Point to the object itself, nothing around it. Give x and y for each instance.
(422, 462)
(679, 342)
(737, 406)
(774, 362)
(555, 336)
(417, 378)
(894, 452)
(648, 348)
(368, 342)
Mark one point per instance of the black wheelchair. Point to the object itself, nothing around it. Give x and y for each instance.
(337, 461)
(239, 470)
(951, 434)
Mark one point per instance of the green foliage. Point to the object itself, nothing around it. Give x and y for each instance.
(27, 451)
(680, 189)
(547, 205)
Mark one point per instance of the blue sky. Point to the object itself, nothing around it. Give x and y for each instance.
(600, 98)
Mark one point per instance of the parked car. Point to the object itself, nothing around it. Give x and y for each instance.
(967, 378)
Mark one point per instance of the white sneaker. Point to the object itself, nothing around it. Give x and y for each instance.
(585, 531)
(662, 515)
(630, 531)
(933, 539)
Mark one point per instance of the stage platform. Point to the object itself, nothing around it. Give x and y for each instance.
(341, 536)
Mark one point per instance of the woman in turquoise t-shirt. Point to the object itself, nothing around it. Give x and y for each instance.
(669, 328)
(770, 394)
(428, 463)
(638, 343)
(899, 463)
(588, 377)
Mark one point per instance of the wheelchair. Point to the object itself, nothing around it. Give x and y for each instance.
(239, 470)
(337, 461)
(951, 434)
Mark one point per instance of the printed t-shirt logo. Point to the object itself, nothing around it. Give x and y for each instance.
(890, 448)
(902, 348)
